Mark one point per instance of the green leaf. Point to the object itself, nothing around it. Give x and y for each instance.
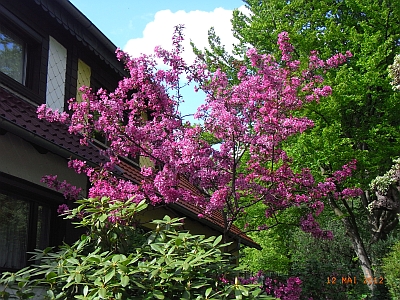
(124, 281)
(208, 292)
(123, 268)
(71, 277)
(244, 290)
(156, 247)
(50, 294)
(98, 282)
(217, 241)
(138, 284)
(94, 259)
(117, 258)
(73, 261)
(102, 218)
(103, 293)
(109, 276)
(151, 238)
(51, 277)
(85, 290)
(78, 277)
(158, 294)
(154, 273)
(186, 295)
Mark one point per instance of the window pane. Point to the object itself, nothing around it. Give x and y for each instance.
(43, 227)
(14, 217)
(12, 55)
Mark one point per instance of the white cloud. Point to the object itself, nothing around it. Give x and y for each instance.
(159, 32)
(197, 23)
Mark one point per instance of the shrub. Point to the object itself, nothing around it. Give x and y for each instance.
(114, 260)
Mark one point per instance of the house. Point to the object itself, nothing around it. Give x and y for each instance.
(48, 49)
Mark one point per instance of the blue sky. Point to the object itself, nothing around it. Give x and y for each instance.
(138, 26)
(121, 20)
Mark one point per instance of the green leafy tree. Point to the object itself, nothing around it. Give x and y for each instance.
(275, 242)
(391, 267)
(328, 269)
(360, 119)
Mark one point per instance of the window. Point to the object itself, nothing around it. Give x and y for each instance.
(22, 53)
(12, 54)
(28, 221)
(24, 226)
(56, 74)
(83, 78)
(14, 216)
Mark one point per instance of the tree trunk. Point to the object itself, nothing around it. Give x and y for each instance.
(362, 255)
(358, 245)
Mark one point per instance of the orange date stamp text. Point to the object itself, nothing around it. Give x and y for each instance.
(354, 280)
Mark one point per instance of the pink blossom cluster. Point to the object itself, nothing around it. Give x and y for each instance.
(69, 191)
(289, 290)
(62, 209)
(340, 175)
(338, 59)
(285, 46)
(333, 62)
(310, 225)
(51, 115)
(349, 193)
(250, 119)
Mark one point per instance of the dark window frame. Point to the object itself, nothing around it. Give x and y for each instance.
(35, 196)
(35, 55)
(18, 54)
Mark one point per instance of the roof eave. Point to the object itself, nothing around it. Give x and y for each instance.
(210, 224)
(105, 49)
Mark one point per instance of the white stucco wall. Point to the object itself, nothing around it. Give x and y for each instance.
(20, 159)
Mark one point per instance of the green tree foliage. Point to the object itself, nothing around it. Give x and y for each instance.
(327, 269)
(275, 242)
(272, 257)
(391, 267)
(114, 260)
(360, 120)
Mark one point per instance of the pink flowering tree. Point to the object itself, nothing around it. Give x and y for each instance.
(250, 119)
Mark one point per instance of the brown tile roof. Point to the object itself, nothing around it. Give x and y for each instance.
(19, 117)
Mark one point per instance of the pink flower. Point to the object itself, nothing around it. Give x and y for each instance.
(147, 171)
(251, 118)
(77, 165)
(62, 209)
